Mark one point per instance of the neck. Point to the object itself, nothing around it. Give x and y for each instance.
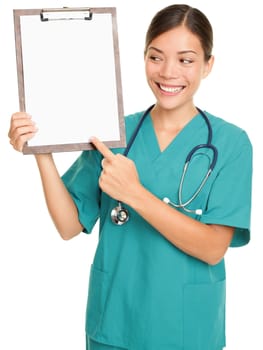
(170, 119)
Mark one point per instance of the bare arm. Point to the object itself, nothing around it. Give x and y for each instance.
(205, 242)
(120, 180)
(61, 207)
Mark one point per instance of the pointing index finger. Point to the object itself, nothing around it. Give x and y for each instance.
(102, 148)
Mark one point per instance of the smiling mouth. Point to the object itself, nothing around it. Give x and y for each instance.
(171, 89)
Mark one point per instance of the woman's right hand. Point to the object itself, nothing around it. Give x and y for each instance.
(22, 128)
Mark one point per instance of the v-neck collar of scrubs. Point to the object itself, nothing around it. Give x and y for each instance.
(186, 133)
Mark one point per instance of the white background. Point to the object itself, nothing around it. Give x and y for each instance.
(62, 57)
(44, 280)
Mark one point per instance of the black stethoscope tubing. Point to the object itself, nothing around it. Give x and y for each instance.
(120, 215)
(133, 137)
(205, 145)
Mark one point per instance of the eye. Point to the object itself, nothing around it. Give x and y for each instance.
(186, 60)
(154, 58)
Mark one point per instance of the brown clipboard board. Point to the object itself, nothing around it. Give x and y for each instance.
(91, 103)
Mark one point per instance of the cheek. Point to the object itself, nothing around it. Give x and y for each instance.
(195, 76)
(150, 74)
(149, 70)
(146, 69)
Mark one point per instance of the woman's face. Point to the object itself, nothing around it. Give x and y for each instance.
(175, 66)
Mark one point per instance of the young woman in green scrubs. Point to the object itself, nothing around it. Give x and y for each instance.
(157, 282)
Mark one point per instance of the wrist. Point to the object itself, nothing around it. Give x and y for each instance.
(137, 197)
(43, 159)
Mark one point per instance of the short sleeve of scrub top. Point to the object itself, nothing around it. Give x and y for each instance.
(229, 201)
(81, 180)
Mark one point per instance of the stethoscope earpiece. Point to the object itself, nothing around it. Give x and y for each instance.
(194, 211)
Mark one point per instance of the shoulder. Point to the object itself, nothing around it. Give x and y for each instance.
(227, 132)
(131, 121)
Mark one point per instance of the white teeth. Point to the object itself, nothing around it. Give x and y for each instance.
(171, 89)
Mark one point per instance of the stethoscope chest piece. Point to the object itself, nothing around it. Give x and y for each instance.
(119, 215)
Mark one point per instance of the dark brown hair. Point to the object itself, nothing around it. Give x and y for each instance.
(176, 15)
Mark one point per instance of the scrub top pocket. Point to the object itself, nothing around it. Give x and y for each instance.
(96, 300)
(204, 316)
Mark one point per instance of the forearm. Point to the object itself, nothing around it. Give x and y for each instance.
(61, 207)
(205, 242)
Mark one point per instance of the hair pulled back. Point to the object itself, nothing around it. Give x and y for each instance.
(176, 15)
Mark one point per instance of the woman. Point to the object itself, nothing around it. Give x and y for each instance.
(158, 276)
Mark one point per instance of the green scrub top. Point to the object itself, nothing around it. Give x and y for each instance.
(144, 293)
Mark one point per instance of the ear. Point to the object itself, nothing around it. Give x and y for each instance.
(208, 66)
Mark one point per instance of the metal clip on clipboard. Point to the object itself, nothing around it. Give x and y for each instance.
(78, 13)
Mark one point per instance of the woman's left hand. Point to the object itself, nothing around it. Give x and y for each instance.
(119, 177)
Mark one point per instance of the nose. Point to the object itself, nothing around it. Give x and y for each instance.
(170, 69)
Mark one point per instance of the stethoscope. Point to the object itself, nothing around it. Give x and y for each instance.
(120, 214)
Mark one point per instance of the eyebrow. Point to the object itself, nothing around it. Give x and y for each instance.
(180, 52)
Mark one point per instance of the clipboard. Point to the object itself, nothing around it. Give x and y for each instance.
(69, 78)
